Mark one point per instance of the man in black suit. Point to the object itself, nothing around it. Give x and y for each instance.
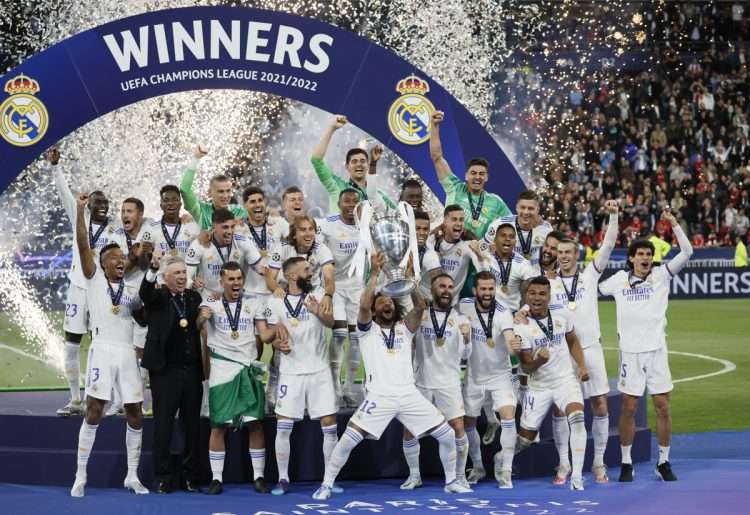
(172, 356)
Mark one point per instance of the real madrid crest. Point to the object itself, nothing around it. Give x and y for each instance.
(410, 114)
(23, 117)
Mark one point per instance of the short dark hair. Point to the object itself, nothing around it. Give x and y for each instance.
(353, 152)
(231, 266)
(138, 203)
(558, 235)
(221, 215)
(529, 195)
(348, 190)
(503, 225)
(290, 190)
(421, 215)
(289, 263)
(441, 275)
(105, 249)
(640, 243)
(411, 183)
(478, 161)
(167, 188)
(539, 280)
(252, 190)
(450, 208)
(485, 275)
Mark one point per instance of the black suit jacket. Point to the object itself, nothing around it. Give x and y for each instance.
(162, 319)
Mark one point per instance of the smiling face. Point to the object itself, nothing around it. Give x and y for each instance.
(347, 202)
(131, 216)
(256, 207)
(357, 166)
(567, 257)
(476, 178)
(293, 205)
(98, 207)
(442, 292)
(642, 261)
(175, 277)
(505, 241)
(232, 282)
(304, 235)
(484, 291)
(220, 192)
(423, 231)
(453, 225)
(537, 296)
(224, 232)
(113, 263)
(170, 204)
(384, 310)
(412, 195)
(527, 210)
(550, 251)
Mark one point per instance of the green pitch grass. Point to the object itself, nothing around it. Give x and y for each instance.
(716, 328)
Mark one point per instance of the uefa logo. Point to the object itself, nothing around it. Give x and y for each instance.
(409, 116)
(23, 117)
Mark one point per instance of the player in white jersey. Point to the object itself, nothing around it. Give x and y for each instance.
(132, 224)
(641, 295)
(76, 318)
(547, 265)
(530, 228)
(548, 341)
(442, 340)
(489, 376)
(170, 234)
(225, 245)
(455, 254)
(293, 206)
(301, 243)
(235, 390)
(510, 269)
(429, 260)
(341, 235)
(575, 292)
(305, 381)
(261, 234)
(112, 362)
(386, 342)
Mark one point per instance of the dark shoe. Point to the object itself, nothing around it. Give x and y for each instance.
(260, 486)
(664, 472)
(162, 487)
(282, 487)
(215, 488)
(626, 473)
(192, 487)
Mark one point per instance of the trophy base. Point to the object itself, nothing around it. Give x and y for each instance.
(399, 288)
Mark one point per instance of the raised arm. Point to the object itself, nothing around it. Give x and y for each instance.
(189, 198)
(686, 249)
(364, 317)
(63, 190)
(88, 264)
(147, 291)
(319, 152)
(414, 317)
(442, 168)
(610, 237)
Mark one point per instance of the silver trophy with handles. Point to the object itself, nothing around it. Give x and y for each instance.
(391, 235)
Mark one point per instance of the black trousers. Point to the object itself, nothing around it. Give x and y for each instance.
(177, 388)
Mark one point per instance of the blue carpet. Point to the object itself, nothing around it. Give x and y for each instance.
(713, 468)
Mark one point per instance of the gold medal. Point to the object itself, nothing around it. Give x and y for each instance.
(527, 255)
(504, 288)
(173, 252)
(235, 335)
(572, 305)
(440, 341)
(183, 323)
(490, 343)
(294, 321)
(115, 309)
(264, 253)
(475, 223)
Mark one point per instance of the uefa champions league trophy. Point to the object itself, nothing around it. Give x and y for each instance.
(390, 235)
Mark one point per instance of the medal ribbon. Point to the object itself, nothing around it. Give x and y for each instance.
(476, 212)
(234, 321)
(294, 311)
(571, 294)
(116, 296)
(439, 330)
(390, 338)
(549, 330)
(171, 240)
(262, 240)
(486, 327)
(180, 308)
(93, 238)
(504, 272)
(525, 244)
(219, 247)
(422, 251)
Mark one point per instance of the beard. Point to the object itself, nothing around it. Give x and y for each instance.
(305, 284)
